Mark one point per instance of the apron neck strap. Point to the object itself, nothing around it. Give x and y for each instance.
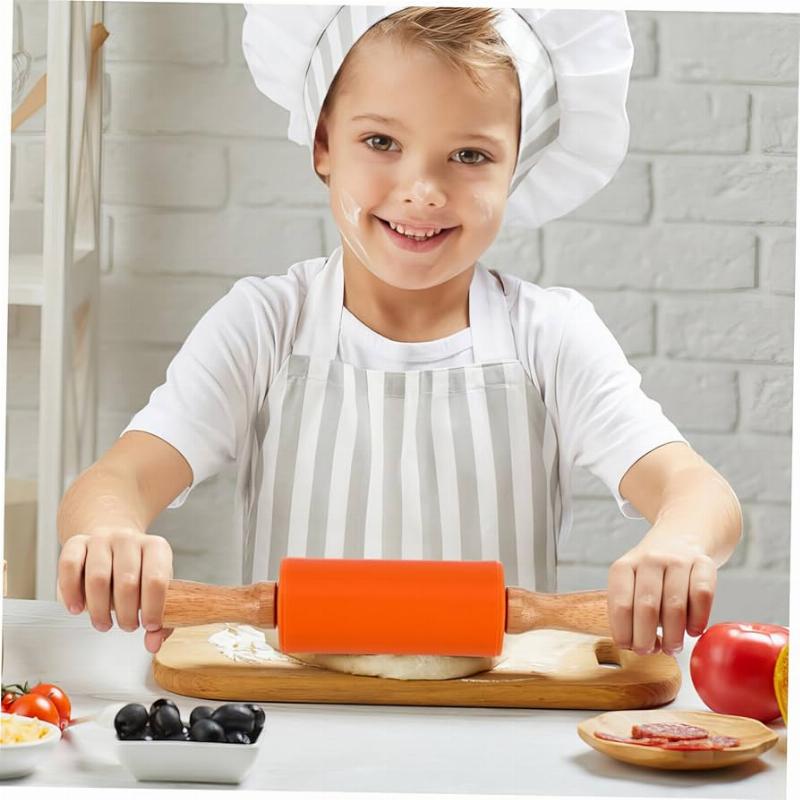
(320, 319)
(489, 320)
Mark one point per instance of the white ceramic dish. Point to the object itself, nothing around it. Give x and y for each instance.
(192, 762)
(165, 761)
(18, 760)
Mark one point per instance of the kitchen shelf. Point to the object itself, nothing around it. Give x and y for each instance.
(26, 276)
(54, 265)
(25, 283)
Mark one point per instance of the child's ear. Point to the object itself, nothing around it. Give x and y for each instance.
(322, 159)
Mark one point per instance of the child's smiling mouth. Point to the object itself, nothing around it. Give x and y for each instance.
(411, 239)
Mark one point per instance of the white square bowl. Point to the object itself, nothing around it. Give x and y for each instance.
(188, 762)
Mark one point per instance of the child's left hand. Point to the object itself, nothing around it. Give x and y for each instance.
(666, 579)
(669, 578)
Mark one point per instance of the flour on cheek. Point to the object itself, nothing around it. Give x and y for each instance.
(350, 208)
(485, 207)
(352, 212)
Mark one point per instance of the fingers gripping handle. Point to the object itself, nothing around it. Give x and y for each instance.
(191, 603)
(580, 612)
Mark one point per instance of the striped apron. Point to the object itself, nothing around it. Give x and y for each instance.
(449, 463)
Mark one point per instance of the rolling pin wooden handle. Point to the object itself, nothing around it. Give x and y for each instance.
(191, 603)
(580, 612)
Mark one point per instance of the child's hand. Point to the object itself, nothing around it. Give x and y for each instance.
(667, 579)
(122, 570)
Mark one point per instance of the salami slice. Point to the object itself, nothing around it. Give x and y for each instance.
(668, 736)
(726, 741)
(609, 737)
(668, 730)
(645, 742)
(711, 743)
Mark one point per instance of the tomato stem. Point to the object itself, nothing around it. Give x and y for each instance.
(15, 688)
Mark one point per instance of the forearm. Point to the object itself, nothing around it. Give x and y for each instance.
(126, 489)
(669, 578)
(102, 500)
(698, 505)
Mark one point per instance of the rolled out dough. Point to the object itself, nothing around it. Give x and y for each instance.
(407, 668)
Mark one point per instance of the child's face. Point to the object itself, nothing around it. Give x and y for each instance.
(411, 139)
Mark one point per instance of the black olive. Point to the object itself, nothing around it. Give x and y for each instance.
(136, 736)
(206, 730)
(259, 722)
(162, 701)
(235, 717)
(130, 720)
(144, 735)
(237, 737)
(165, 721)
(200, 712)
(259, 712)
(181, 736)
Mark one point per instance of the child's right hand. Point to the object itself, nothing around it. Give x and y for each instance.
(123, 570)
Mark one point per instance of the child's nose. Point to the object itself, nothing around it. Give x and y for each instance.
(424, 191)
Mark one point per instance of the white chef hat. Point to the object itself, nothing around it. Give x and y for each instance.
(573, 69)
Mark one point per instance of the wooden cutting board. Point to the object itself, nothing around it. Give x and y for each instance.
(545, 669)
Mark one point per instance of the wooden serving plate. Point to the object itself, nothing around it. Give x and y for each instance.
(545, 669)
(756, 738)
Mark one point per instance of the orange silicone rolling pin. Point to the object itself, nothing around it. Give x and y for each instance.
(456, 608)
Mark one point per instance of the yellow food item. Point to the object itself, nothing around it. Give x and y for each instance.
(781, 682)
(16, 730)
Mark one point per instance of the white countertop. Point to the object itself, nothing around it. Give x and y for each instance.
(337, 748)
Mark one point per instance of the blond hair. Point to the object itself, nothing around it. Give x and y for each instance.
(465, 38)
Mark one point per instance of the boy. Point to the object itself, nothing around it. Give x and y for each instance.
(397, 399)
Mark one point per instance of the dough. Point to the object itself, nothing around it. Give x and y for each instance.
(546, 652)
(406, 668)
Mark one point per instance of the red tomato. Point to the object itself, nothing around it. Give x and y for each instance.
(8, 699)
(59, 700)
(732, 668)
(35, 705)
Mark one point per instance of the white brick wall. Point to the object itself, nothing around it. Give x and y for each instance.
(688, 254)
(693, 119)
(733, 328)
(777, 121)
(740, 48)
(695, 397)
(709, 189)
(643, 257)
(164, 174)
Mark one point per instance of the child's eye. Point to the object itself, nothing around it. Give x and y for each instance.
(472, 157)
(380, 143)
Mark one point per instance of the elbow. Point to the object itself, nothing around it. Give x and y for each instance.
(737, 516)
(735, 527)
